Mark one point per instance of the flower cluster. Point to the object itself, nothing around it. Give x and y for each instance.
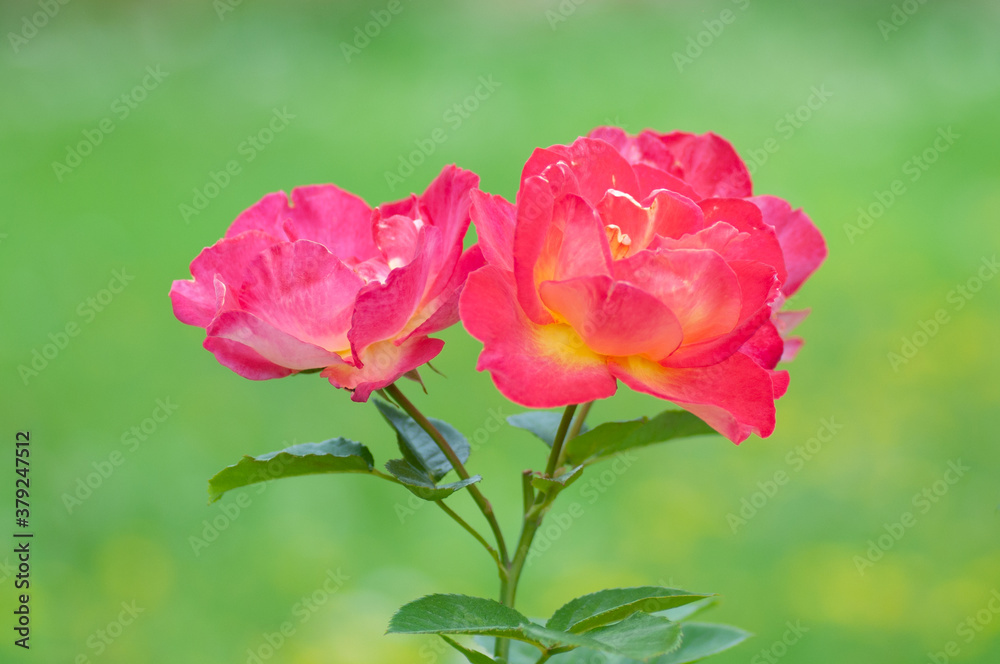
(644, 259)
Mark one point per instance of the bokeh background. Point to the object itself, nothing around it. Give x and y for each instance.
(829, 105)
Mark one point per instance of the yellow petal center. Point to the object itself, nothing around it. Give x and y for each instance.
(619, 242)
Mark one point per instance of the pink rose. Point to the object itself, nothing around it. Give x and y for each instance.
(644, 263)
(327, 282)
(713, 169)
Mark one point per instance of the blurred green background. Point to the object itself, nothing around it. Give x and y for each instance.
(560, 69)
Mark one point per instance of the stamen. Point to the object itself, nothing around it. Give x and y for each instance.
(618, 241)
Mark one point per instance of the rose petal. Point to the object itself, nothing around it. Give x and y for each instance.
(619, 209)
(335, 218)
(494, 218)
(792, 347)
(673, 215)
(760, 242)
(443, 312)
(445, 205)
(735, 397)
(789, 320)
(596, 165)
(583, 248)
(698, 287)
(708, 162)
(665, 214)
(539, 366)
(614, 318)
(652, 179)
(644, 152)
(396, 238)
(408, 207)
(446, 201)
(765, 347)
(244, 360)
(302, 289)
(534, 246)
(779, 381)
(191, 303)
(384, 364)
(619, 139)
(267, 215)
(758, 289)
(383, 310)
(803, 245)
(194, 301)
(275, 346)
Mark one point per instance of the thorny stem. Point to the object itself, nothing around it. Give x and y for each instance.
(533, 518)
(536, 504)
(456, 463)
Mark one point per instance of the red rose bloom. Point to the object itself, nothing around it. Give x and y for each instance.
(642, 259)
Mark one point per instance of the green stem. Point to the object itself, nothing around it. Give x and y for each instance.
(527, 490)
(459, 520)
(475, 533)
(456, 463)
(560, 438)
(378, 473)
(581, 415)
(533, 520)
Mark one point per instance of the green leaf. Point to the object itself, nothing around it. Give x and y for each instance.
(542, 423)
(545, 638)
(612, 437)
(688, 610)
(640, 636)
(421, 484)
(461, 614)
(337, 455)
(701, 640)
(698, 641)
(456, 614)
(474, 656)
(543, 483)
(520, 652)
(418, 447)
(608, 606)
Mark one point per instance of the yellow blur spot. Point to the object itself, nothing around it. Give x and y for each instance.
(136, 567)
(824, 584)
